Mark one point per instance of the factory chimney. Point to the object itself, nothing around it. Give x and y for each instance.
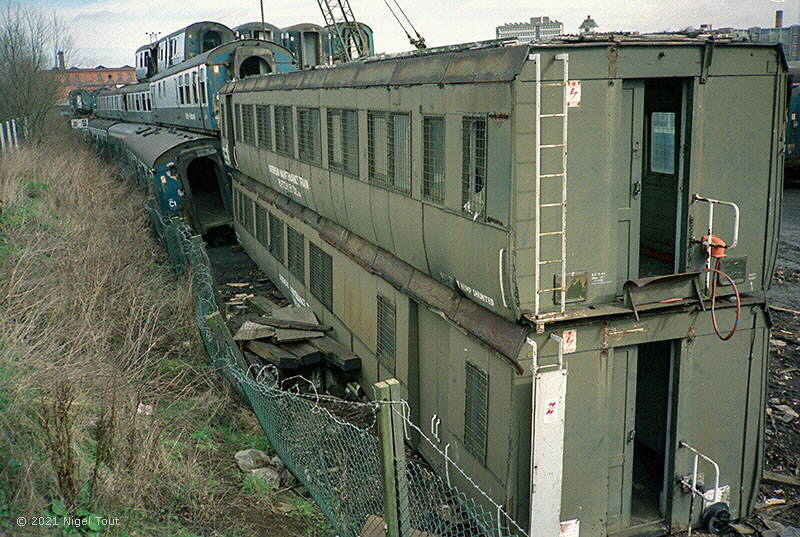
(61, 65)
(779, 18)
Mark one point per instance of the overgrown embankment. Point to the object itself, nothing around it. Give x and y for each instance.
(108, 411)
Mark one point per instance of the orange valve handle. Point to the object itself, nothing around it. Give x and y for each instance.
(717, 246)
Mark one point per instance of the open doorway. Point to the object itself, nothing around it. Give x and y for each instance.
(205, 195)
(661, 176)
(253, 65)
(652, 423)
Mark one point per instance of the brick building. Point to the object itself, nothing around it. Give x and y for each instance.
(94, 77)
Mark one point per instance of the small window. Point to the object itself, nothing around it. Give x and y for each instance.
(261, 226)
(248, 129)
(343, 141)
(473, 174)
(295, 251)
(276, 237)
(321, 268)
(264, 124)
(389, 150)
(386, 332)
(433, 159)
(308, 135)
(475, 412)
(284, 141)
(662, 142)
(194, 88)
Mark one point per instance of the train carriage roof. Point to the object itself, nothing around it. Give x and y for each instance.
(490, 61)
(101, 124)
(149, 143)
(204, 58)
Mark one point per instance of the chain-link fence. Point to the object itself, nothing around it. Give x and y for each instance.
(342, 464)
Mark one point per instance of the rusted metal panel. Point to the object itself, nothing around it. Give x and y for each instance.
(393, 270)
(490, 65)
(422, 70)
(375, 74)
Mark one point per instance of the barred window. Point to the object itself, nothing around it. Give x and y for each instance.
(237, 121)
(276, 237)
(473, 175)
(475, 412)
(246, 206)
(284, 134)
(433, 159)
(389, 149)
(295, 261)
(386, 331)
(308, 135)
(248, 129)
(321, 268)
(264, 126)
(343, 141)
(261, 226)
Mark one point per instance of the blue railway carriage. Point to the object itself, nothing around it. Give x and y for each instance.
(184, 95)
(305, 42)
(334, 46)
(81, 101)
(258, 30)
(110, 104)
(179, 46)
(128, 103)
(182, 170)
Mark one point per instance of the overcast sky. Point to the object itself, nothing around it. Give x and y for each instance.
(108, 31)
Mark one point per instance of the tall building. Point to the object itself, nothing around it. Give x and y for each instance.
(538, 29)
(788, 36)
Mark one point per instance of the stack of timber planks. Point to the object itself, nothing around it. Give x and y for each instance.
(291, 339)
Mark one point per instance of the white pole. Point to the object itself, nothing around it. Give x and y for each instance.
(3, 137)
(15, 140)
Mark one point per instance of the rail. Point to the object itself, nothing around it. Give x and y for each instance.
(692, 485)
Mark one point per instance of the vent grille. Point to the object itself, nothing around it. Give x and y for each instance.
(276, 237)
(248, 128)
(343, 141)
(284, 134)
(295, 261)
(433, 159)
(321, 267)
(386, 332)
(262, 232)
(308, 135)
(389, 150)
(264, 120)
(475, 411)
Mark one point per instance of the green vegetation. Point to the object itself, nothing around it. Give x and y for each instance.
(111, 421)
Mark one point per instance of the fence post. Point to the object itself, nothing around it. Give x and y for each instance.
(3, 136)
(395, 481)
(15, 139)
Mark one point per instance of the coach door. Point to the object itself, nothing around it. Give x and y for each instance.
(629, 186)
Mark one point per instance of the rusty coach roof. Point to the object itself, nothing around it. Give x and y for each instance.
(149, 142)
(489, 61)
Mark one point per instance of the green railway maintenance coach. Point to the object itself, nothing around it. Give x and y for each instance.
(559, 250)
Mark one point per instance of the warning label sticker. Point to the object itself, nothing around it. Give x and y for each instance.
(570, 338)
(551, 410)
(574, 93)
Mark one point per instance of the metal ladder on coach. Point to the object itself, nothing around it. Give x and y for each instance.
(560, 175)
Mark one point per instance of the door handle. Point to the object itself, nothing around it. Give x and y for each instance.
(631, 436)
(637, 189)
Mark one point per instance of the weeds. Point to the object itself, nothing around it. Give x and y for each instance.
(107, 407)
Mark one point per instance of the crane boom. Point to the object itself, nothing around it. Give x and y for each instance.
(352, 42)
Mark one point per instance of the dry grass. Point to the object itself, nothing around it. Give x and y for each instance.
(94, 328)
